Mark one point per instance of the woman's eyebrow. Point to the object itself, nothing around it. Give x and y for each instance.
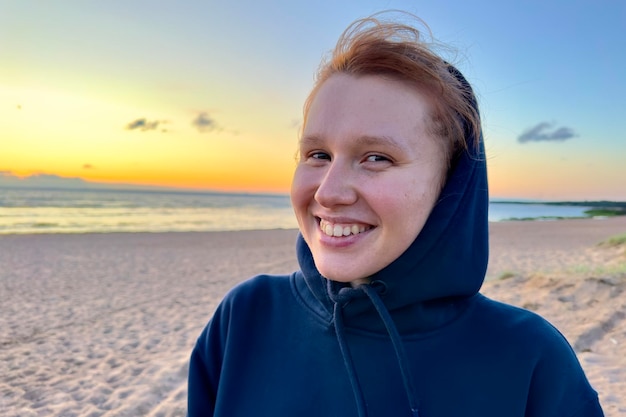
(363, 140)
(386, 141)
(310, 141)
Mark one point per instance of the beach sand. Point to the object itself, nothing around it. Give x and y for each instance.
(103, 324)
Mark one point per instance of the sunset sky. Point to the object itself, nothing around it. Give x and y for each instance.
(208, 94)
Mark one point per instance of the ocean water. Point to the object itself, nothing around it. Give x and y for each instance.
(82, 211)
(499, 211)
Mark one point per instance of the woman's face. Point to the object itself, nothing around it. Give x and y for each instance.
(368, 176)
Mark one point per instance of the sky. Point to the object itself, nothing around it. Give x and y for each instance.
(207, 95)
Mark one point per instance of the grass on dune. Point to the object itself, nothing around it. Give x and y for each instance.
(618, 240)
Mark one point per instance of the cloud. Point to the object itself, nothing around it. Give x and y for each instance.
(204, 123)
(144, 125)
(545, 132)
(88, 166)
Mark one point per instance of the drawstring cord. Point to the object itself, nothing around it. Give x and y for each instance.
(347, 360)
(398, 346)
(339, 302)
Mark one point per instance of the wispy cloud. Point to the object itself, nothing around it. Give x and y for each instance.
(546, 132)
(204, 123)
(144, 125)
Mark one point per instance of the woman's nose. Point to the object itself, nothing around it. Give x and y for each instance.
(336, 186)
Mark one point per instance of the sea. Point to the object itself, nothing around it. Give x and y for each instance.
(26, 211)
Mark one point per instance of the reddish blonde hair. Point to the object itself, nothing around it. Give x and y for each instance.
(397, 51)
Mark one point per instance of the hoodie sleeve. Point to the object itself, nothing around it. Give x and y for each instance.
(559, 387)
(205, 368)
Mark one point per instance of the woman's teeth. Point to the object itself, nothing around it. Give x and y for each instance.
(338, 230)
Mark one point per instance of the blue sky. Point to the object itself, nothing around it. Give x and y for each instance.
(76, 74)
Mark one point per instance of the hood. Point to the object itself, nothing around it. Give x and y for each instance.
(445, 265)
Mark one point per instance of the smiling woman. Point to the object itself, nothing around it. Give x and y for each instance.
(384, 317)
(367, 161)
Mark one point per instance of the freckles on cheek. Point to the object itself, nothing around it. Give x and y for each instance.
(414, 194)
(303, 188)
(301, 192)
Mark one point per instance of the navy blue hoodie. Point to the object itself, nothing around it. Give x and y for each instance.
(419, 340)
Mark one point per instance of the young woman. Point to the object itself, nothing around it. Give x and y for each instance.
(385, 318)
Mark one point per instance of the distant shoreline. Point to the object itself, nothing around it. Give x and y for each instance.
(592, 203)
(62, 210)
(56, 183)
(599, 208)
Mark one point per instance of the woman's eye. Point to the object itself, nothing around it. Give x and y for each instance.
(377, 158)
(319, 155)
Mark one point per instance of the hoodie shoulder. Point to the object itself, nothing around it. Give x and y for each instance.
(257, 286)
(519, 323)
(558, 385)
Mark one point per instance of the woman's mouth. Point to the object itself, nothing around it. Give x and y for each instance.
(342, 229)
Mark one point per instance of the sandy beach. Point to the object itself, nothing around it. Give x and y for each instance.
(103, 324)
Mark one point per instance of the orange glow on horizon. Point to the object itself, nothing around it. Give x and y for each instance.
(279, 184)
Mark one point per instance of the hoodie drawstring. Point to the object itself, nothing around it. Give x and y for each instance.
(396, 341)
(347, 360)
(398, 346)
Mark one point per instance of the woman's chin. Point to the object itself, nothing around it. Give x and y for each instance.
(354, 278)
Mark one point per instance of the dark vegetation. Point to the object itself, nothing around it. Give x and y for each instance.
(598, 208)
